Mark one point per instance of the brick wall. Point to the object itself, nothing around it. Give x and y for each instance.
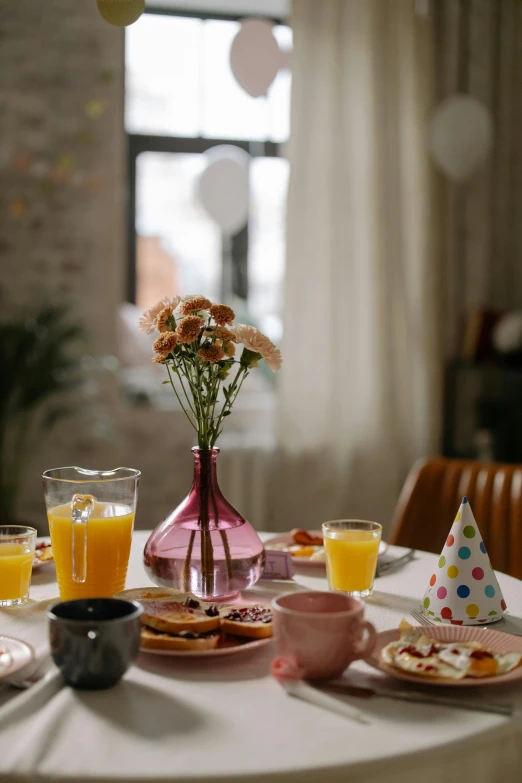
(62, 227)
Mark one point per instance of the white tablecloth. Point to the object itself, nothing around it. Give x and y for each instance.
(226, 719)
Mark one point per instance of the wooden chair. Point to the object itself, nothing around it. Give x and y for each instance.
(431, 497)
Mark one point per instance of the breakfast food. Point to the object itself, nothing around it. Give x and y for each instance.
(304, 538)
(173, 620)
(43, 553)
(185, 640)
(254, 622)
(415, 653)
(176, 617)
(304, 545)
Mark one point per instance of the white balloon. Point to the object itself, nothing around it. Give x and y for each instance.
(255, 57)
(460, 136)
(224, 185)
(507, 335)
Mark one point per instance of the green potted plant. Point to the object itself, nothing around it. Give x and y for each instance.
(39, 369)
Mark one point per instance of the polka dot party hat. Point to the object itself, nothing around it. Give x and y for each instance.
(463, 588)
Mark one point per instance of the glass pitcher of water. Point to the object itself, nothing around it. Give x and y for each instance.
(91, 516)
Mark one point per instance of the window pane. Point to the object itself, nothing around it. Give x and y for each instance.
(163, 56)
(279, 92)
(228, 111)
(178, 245)
(266, 251)
(179, 82)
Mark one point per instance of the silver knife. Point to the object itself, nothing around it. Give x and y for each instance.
(419, 697)
(398, 562)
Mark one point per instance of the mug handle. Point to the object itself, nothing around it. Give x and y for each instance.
(81, 509)
(369, 645)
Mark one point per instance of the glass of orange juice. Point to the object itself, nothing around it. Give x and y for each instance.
(91, 516)
(351, 547)
(16, 563)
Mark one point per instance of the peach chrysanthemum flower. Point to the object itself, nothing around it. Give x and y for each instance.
(220, 332)
(225, 334)
(194, 303)
(165, 343)
(258, 342)
(147, 321)
(162, 324)
(159, 359)
(189, 328)
(222, 314)
(211, 353)
(229, 348)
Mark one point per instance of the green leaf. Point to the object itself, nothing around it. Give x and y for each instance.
(163, 382)
(250, 358)
(227, 413)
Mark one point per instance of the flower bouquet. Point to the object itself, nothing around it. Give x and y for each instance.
(205, 546)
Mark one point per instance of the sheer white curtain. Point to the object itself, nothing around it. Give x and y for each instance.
(360, 386)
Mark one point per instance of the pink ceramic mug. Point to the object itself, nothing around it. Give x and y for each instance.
(321, 633)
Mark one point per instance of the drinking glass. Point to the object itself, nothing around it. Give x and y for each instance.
(91, 515)
(16, 563)
(351, 547)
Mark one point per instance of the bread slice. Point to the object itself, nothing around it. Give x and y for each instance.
(155, 640)
(156, 593)
(172, 611)
(172, 617)
(251, 620)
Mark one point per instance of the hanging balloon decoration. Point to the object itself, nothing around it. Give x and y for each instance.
(460, 136)
(121, 13)
(223, 187)
(255, 57)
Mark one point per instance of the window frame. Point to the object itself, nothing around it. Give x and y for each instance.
(138, 143)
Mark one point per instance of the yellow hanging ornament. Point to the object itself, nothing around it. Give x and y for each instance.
(121, 12)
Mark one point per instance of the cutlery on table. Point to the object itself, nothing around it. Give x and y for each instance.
(302, 690)
(388, 566)
(419, 697)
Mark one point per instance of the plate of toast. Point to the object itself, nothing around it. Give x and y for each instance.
(180, 624)
(305, 546)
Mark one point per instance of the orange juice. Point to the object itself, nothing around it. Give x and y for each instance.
(109, 533)
(15, 571)
(351, 559)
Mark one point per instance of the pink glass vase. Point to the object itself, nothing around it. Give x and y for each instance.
(205, 546)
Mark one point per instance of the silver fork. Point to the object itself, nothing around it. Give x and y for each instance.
(421, 619)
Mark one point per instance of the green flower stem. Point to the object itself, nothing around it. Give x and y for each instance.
(179, 373)
(202, 429)
(230, 399)
(179, 399)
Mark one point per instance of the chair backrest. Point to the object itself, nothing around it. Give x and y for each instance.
(431, 497)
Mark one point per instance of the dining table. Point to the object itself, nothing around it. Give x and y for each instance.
(217, 719)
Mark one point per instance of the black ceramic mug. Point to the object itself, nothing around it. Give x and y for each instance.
(94, 640)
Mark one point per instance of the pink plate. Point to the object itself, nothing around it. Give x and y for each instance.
(286, 539)
(219, 652)
(494, 640)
